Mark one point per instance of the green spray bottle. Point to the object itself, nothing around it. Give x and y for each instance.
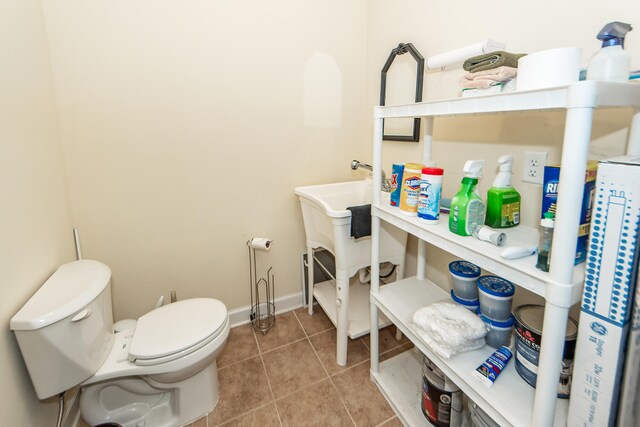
(467, 209)
(503, 201)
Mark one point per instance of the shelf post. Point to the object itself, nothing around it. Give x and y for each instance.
(572, 174)
(427, 146)
(633, 145)
(375, 241)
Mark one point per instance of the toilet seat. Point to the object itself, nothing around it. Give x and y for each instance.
(175, 330)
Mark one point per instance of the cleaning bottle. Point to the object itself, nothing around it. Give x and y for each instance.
(611, 63)
(503, 201)
(467, 209)
(546, 239)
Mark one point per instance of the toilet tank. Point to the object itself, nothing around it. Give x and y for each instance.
(65, 331)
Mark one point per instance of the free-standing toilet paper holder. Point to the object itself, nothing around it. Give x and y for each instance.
(263, 313)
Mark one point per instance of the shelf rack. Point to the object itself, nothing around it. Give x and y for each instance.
(510, 401)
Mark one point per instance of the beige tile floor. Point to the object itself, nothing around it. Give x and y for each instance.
(289, 377)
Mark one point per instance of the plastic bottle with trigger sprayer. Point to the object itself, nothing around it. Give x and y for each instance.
(467, 209)
(503, 201)
(611, 63)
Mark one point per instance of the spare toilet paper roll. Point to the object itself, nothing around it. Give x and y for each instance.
(549, 68)
(451, 57)
(260, 243)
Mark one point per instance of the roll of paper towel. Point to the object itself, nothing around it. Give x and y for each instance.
(549, 68)
(451, 57)
(260, 243)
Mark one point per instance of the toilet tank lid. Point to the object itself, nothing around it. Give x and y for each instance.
(67, 291)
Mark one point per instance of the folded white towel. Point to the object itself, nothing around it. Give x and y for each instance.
(449, 328)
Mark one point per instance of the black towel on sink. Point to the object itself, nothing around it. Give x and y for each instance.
(360, 221)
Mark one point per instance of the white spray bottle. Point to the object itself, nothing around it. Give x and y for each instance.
(611, 63)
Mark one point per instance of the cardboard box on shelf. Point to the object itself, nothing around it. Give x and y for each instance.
(550, 197)
(606, 307)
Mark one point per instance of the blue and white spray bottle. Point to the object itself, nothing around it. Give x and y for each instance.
(611, 63)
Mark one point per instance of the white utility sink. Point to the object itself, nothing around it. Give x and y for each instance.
(327, 224)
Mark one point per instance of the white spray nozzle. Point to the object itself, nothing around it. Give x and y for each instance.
(473, 168)
(506, 162)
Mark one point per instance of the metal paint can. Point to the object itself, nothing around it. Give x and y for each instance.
(441, 398)
(529, 320)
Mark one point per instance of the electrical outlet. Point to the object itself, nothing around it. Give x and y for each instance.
(533, 168)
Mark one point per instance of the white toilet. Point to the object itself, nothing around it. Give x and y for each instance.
(161, 373)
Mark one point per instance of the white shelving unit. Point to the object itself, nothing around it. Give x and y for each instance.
(511, 401)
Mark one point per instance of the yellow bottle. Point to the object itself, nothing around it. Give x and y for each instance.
(410, 188)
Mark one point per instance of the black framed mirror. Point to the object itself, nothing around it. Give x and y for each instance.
(401, 49)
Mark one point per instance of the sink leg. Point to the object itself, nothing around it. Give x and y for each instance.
(310, 262)
(342, 303)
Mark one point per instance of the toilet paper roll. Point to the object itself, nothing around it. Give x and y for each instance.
(260, 243)
(451, 57)
(549, 68)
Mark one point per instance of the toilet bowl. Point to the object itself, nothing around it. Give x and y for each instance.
(161, 373)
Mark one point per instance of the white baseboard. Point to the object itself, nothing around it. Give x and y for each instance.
(240, 316)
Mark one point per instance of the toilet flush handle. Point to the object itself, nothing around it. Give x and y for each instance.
(82, 315)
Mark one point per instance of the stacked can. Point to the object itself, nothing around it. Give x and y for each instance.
(495, 295)
(529, 322)
(441, 398)
(464, 289)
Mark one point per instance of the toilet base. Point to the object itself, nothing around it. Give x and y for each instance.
(145, 402)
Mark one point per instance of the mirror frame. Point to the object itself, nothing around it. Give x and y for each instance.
(400, 50)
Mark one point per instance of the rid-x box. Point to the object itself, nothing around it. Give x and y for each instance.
(550, 197)
(607, 298)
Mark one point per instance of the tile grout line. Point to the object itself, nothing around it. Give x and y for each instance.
(335, 389)
(264, 368)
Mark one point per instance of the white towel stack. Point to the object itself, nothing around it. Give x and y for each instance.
(449, 328)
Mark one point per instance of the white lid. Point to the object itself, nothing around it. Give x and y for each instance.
(176, 327)
(68, 290)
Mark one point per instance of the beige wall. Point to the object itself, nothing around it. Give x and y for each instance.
(187, 125)
(435, 27)
(35, 220)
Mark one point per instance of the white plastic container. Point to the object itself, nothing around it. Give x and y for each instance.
(473, 306)
(499, 332)
(611, 64)
(429, 196)
(495, 294)
(464, 277)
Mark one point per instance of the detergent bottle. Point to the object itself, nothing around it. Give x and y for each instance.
(611, 63)
(503, 201)
(467, 209)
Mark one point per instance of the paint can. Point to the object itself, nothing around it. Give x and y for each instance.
(529, 320)
(441, 398)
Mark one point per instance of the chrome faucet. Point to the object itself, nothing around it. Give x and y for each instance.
(386, 184)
